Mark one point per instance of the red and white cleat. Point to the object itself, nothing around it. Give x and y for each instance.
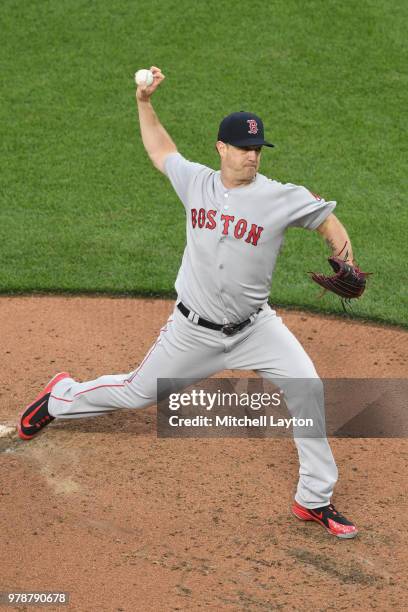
(328, 517)
(36, 416)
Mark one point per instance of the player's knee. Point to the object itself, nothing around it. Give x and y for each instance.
(309, 390)
(304, 399)
(313, 387)
(299, 365)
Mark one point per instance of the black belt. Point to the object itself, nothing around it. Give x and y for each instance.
(228, 329)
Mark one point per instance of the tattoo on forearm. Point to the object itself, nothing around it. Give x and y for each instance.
(330, 244)
(346, 254)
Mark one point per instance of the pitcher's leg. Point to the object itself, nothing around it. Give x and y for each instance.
(274, 353)
(181, 351)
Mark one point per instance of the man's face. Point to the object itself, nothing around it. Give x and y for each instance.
(241, 162)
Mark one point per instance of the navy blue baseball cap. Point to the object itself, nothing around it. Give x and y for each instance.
(242, 130)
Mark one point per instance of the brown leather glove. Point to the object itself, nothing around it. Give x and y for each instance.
(348, 281)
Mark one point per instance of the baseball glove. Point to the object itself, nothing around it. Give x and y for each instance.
(347, 281)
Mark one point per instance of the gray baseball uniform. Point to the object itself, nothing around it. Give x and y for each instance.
(233, 239)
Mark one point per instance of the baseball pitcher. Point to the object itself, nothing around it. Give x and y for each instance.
(235, 223)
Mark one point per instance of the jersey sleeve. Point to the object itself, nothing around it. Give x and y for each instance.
(306, 209)
(181, 173)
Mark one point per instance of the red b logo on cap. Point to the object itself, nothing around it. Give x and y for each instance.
(253, 126)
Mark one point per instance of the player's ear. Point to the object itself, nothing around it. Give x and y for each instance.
(221, 147)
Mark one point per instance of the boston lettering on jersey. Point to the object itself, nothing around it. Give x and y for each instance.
(206, 219)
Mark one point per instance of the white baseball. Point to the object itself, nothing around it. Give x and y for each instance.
(144, 77)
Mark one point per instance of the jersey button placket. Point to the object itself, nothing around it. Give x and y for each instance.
(223, 284)
(226, 196)
(220, 265)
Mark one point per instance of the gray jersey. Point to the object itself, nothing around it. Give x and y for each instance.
(234, 237)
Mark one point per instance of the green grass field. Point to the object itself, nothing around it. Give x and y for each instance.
(83, 210)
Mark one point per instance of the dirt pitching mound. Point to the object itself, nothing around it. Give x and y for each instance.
(123, 521)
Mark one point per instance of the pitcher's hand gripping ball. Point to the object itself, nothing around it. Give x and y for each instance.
(348, 281)
(144, 77)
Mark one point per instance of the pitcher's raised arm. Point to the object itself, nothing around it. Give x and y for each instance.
(156, 140)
